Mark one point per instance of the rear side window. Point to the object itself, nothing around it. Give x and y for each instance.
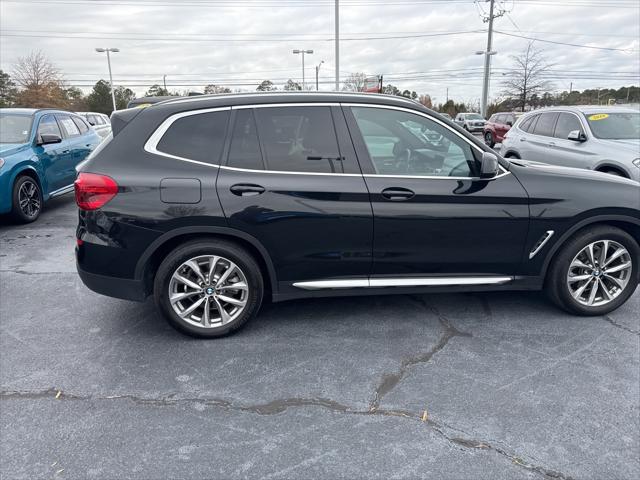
(199, 136)
(80, 124)
(68, 125)
(525, 126)
(107, 120)
(299, 139)
(244, 151)
(92, 119)
(567, 122)
(546, 124)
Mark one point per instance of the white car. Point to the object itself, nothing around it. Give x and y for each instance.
(472, 122)
(99, 121)
(602, 138)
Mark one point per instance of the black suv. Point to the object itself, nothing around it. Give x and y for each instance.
(213, 203)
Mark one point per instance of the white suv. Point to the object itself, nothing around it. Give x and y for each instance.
(606, 139)
(472, 122)
(98, 121)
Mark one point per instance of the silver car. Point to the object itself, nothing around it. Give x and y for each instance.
(606, 139)
(472, 122)
(99, 121)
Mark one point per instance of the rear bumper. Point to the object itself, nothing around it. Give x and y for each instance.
(124, 288)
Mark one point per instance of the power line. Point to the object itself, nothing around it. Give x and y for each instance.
(565, 43)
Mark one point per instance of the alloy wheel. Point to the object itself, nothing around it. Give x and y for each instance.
(208, 291)
(488, 138)
(599, 273)
(29, 198)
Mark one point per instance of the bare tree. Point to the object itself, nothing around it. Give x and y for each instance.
(216, 89)
(35, 71)
(355, 82)
(527, 77)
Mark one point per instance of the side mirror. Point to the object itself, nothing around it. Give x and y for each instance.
(577, 136)
(47, 138)
(510, 123)
(489, 166)
(93, 124)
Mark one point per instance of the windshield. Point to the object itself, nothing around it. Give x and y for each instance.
(615, 126)
(474, 116)
(14, 128)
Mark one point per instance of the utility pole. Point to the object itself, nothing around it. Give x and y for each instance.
(317, 72)
(108, 50)
(570, 88)
(447, 101)
(303, 52)
(487, 54)
(337, 40)
(164, 81)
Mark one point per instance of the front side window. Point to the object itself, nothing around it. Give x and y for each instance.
(545, 124)
(615, 125)
(299, 139)
(403, 143)
(68, 125)
(567, 122)
(199, 136)
(49, 126)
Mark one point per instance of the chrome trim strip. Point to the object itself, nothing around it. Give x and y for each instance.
(401, 282)
(286, 104)
(61, 191)
(236, 169)
(548, 234)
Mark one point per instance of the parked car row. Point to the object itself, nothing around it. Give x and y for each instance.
(39, 151)
(213, 203)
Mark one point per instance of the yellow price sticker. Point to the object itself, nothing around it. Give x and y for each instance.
(598, 116)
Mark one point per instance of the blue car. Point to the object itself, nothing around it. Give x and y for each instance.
(39, 150)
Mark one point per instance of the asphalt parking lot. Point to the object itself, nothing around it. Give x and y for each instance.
(495, 386)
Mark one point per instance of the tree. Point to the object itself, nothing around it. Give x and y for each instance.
(409, 94)
(391, 90)
(216, 89)
(527, 77)
(8, 90)
(123, 96)
(266, 86)
(76, 99)
(355, 82)
(157, 91)
(291, 85)
(99, 100)
(425, 100)
(40, 83)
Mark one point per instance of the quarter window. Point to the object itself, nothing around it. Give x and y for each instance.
(545, 124)
(199, 136)
(244, 151)
(299, 139)
(80, 124)
(403, 143)
(68, 125)
(49, 126)
(567, 122)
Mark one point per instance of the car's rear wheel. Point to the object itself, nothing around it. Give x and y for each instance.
(27, 199)
(488, 139)
(208, 288)
(596, 272)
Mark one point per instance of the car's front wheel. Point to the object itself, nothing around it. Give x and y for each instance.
(27, 199)
(596, 272)
(208, 288)
(488, 139)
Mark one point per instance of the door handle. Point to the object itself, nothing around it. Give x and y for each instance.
(246, 189)
(522, 139)
(552, 144)
(397, 194)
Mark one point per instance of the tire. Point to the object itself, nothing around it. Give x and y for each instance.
(558, 286)
(26, 189)
(465, 127)
(488, 140)
(200, 251)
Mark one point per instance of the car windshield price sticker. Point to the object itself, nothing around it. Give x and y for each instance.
(598, 116)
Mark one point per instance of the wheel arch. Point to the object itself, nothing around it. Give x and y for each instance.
(628, 224)
(511, 154)
(150, 260)
(604, 166)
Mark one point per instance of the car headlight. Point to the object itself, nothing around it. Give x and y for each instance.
(636, 162)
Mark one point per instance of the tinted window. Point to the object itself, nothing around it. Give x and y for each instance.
(68, 125)
(299, 139)
(402, 143)
(80, 124)
(545, 124)
(615, 125)
(526, 123)
(196, 137)
(567, 122)
(49, 126)
(244, 151)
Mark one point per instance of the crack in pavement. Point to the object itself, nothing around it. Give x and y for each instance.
(281, 405)
(390, 380)
(607, 318)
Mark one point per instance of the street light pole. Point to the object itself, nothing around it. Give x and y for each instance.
(317, 72)
(108, 50)
(337, 40)
(302, 52)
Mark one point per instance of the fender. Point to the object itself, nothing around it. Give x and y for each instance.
(581, 224)
(612, 164)
(230, 232)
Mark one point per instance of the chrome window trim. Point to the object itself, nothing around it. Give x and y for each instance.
(401, 282)
(151, 145)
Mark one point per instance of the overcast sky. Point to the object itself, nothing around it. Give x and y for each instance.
(226, 42)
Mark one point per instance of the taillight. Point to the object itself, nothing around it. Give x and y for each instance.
(94, 191)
